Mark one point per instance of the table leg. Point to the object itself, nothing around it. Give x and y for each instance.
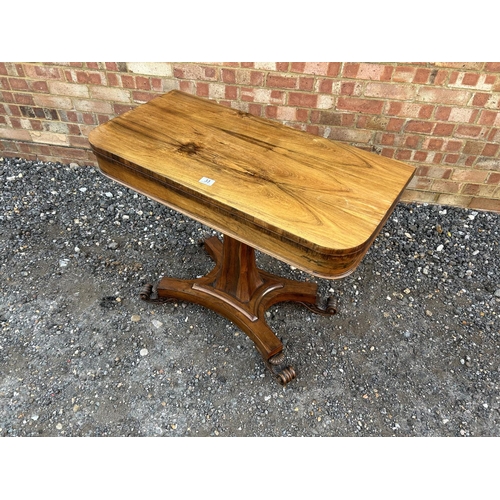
(239, 291)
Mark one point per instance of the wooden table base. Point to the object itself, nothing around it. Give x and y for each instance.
(239, 291)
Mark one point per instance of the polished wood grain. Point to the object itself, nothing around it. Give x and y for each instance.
(311, 202)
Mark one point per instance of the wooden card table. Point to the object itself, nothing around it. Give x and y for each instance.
(308, 201)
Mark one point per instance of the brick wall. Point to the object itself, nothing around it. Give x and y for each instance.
(444, 118)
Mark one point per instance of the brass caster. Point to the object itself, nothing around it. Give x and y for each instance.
(146, 291)
(283, 374)
(328, 309)
(286, 375)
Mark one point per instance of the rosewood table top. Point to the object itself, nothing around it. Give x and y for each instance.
(308, 201)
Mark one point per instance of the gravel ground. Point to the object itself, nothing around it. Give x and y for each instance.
(413, 351)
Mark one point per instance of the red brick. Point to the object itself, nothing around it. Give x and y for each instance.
(480, 99)
(18, 84)
(15, 122)
(282, 66)
(492, 66)
(112, 66)
(473, 147)
(119, 109)
(395, 124)
(255, 109)
(451, 158)
(479, 190)
(493, 135)
(453, 146)
(468, 131)
(350, 70)
(348, 119)
(360, 105)
(13, 110)
(314, 129)
(228, 75)
(46, 72)
(74, 129)
(387, 152)
(88, 118)
(231, 92)
(128, 81)
(387, 139)
(333, 69)
(443, 113)
(156, 84)
(419, 156)
(434, 172)
(437, 158)
(271, 112)
(494, 178)
(114, 80)
(488, 117)
(470, 160)
(490, 150)
(142, 83)
(422, 75)
(446, 186)
(247, 65)
(325, 86)
(306, 83)
(70, 75)
(483, 204)
(490, 79)
(470, 79)
(210, 73)
(103, 119)
(453, 77)
(283, 82)
(202, 89)
(90, 78)
(304, 100)
(297, 67)
(4, 84)
(412, 141)
(433, 144)
(24, 99)
(443, 129)
(410, 110)
(142, 97)
(438, 77)
(38, 86)
(347, 88)
(3, 69)
(419, 126)
(302, 115)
